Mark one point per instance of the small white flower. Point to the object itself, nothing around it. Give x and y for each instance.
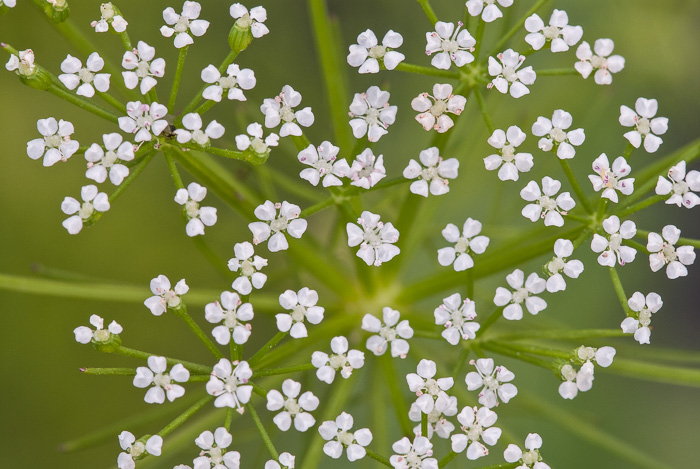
(230, 314)
(162, 382)
(602, 62)
(664, 253)
(85, 335)
(92, 202)
(638, 323)
(281, 109)
(488, 9)
(86, 79)
(523, 291)
(508, 77)
(602, 356)
(449, 45)
(416, 455)
(457, 317)
(184, 25)
(102, 163)
(368, 54)
(476, 425)
(8, 3)
(164, 297)
(273, 225)
(285, 461)
(559, 33)
(426, 388)
(647, 128)
(445, 406)
(545, 206)
(56, 144)
(228, 384)
(22, 64)
(555, 136)
(144, 120)
(108, 17)
(433, 108)
(142, 68)
(338, 436)
(295, 408)
(366, 170)
(198, 217)
(575, 381)
(371, 114)
(494, 382)
(252, 19)
(390, 331)
(214, 453)
(193, 130)
(530, 459)
(303, 307)
(434, 173)
(563, 248)
(680, 186)
(233, 84)
(254, 140)
(341, 360)
(249, 266)
(323, 165)
(611, 249)
(466, 243)
(609, 180)
(509, 162)
(136, 449)
(375, 238)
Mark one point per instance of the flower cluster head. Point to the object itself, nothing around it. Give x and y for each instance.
(193, 130)
(281, 109)
(229, 313)
(100, 335)
(339, 437)
(303, 307)
(371, 114)
(274, 224)
(466, 243)
(433, 108)
(390, 331)
(248, 265)
(368, 54)
(445, 406)
(285, 461)
(611, 249)
(563, 248)
(559, 33)
(162, 382)
(554, 134)
(426, 388)
(144, 120)
(340, 360)
(432, 177)
(642, 308)
(86, 79)
(416, 455)
(323, 165)
(506, 75)
(214, 450)
(664, 253)
(56, 144)
(530, 459)
(511, 164)
(523, 291)
(108, 17)
(93, 202)
(647, 128)
(680, 186)
(164, 297)
(376, 239)
(108, 161)
(142, 68)
(184, 25)
(488, 9)
(495, 382)
(601, 61)
(229, 384)
(611, 180)
(449, 45)
(544, 204)
(252, 19)
(582, 380)
(198, 217)
(476, 425)
(134, 450)
(295, 408)
(22, 64)
(233, 84)
(457, 317)
(254, 140)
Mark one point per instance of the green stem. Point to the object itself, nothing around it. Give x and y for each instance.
(133, 174)
(629, 148)
(550, 72)
(378, 458)
(424, 424)
(479, 36)
(617, 284)
(234, 350)
(497, 348)
(132, 353)
(198, 96)
(229, 418)
(425, 5)
(317, 207)
(83, 103)
(397, 398)
(263, 433)
(109, 371)
(575, 185)
(420, 70)
(126, 41)
(532, 349)
(659, 373)
(463, 355)
(181, 312)
(283, 370)
(687, 242)
(112, 101)
(300, 142)
(174, 173)
(183, 417)
(490, 320)
(484, 111)
(178, 75)
(232, 154)
(649, 201)
(205, 106)
(517, 27)
(266, 348)
(446, 459)
(582, 334)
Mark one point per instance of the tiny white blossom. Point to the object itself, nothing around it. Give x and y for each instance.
(193, 130)
(554, 134)
(274, 224)
(466, 243)
(108, 17)
(56, 144)
(426, 388)
(184, 25)
(162, 382)
(523, 291)
(80, 212)
(457, 317)
(530, 459)
(254, 140)
(488, 9)
(229, 384)
(609, 180)
(449, 45)
(445, 406)
(680, 186)
(575, 381)
(340, 360)
(233, 84)
(295, 408)
(302, 305)
(85, 335)
(563, 248)
(8, 3)
(214, 453)
(664, 253)
(545, 206)
(198, 217)
(285, 461)
(601, 61)
(559, 33)
(433, 108)
(375, 238)
(281, 109)
(86, 79)
(647, 128)
(508, 77)
(163, 296)
(638, 323)
(323, 165)
(142, 68)
(22, 64)
(230, 314)
(144, 120)
(108, 161)
(495, 382)
(368, 53)
(133, 449)
(252, 19)
(389, 331)
(611, 249)
(338, 437)
(509, 162)
(476, 425)
(434, 173)
(371, 114)
(248, 265)
(416, 455)
(366, 170)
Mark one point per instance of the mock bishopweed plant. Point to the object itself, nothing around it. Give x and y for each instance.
(350, 326)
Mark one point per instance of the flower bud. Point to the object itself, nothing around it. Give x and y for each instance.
(240, 36)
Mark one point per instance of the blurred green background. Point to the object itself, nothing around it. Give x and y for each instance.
(45, 400)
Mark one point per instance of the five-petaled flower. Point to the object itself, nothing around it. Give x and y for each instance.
(559, 33)
(554, 134)
(281, 109)
(495, 382)
(366, 170)
(433, 108)
(22, 64)
(466, 243)
(611, 249)
(426, 388)
(164, 297)
(144, 120)
(368, 53)
(273, 225)
(134, 450)
(642, 308)
(389, 331)
(214, 453)
(445, 406)
(162, 382)
(229, 384)
(248, 265)
(662, 252)
(108, 17)
(254, 140)
(323, 165)
(93, 201)
(602, 62)
(85, 335)
(56, 144)
(302, 305)
(253, 19)
(509, 162)
(476, 425)
(184, 25)
(340, 360)
(508, 77)
(338, 436)
(198, 217)
(680, 186)
(530, 459)
(433, 175)
(449, 45)
(229, 313)
(523, 291)
(295, 408)
(545, 206)
(371, 114)
(416, 455)
(609, 180)
(86, 79)
(193, 130)
(375, 238)
(108, 161)
(285, 461)
(647, 128)
(563, 248)
(142, 68)
(233, 84)
(457, 317)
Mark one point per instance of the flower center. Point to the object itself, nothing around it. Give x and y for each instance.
(144, 121)
(286, 114)
(450, 46)
(550, 32)
(216, 455)
(172, 299)
(609, 179)
(508, 153)
(182, 25)
(388, 333)
(680, 187)
(669, 252)
(556, 265)
(530, 458)
(457, 319)
(372, 238)
(520, 295)
(230, 319)
(372, 116)
(547, 203)
(429, 173)
(109, 159)
(86, 76)
(227, 82)
(643, 126)
(438, 108)
(86, 210)
(162, 380)
(414, 461)
(599, 62)
(324, 167)
(279, 224)
(298, 313)
(474, 433)
(52, 141)
(231, 384)
(615, 241)
(258, 146)
(345, 438)
(645, 317)
(247, 268)
(107, 11)
(509, 74)
(338, 361)
(192, 208)
(377, 52)
(102, 335)
(490, 382)
(244, 21)
(137, 449)
(557, 134)
(462, 245)
(431, 387)
(142, 69)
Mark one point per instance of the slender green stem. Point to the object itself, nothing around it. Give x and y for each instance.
(629, 148)
(234, 350)
(484, 111)
(178, 75)
(648, 202)
(532, 349)
(662, 373)
(575, 335)
(425, 5)
(233, 154)
(446, 459)
(133, 174)
(300, 142)
(198, 96)
(463, 355)
(639, 247)
(427, 334)
(498, 348)
(490, 320)
(378, 457)
(687, 242)
(420, 70)
(181, 312)
(205, 106)
(424, 424)
(575, 185)
(229, 418)
(132, 353)
(550, 72)
(479, 36)
(517, 27)
(112, 101)
(83, 103)
(617, 284)
(258, 390)
(263, 433)
(183, 417)
(266, 348)
(317, 207)
(397, 398)
(199, 378)
(109, 371)
(174, 173)
(126, 41)
(283, 370)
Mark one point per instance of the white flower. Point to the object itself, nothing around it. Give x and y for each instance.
(341, 360)
(366, 170)
(555, 136)
(529, 459)
(367, 53)
(390, 331)
(611, 181)
(232, 84)
(426, 388)
(144, 69)
(680, 186)
(193, 130)
(494, 382)
(508, 77)
(647, 128)
(92, 202)
(563, 248)
(445, 406)
(602, 356)
(281, 109)
(252, 19)
(162, 382)
(664, 253)
(449, 45)
(74, 74)
(285, 461)
(416, 455)
(466, 243)
(602, 62)
(8, 3)
(375, 238)
(491, 12)
(303, 307)
(108, 17)
(228, 384)
(229, 314)
(254, 140)
(214, 453)
(136, 449)
(144, 120)
(559, 33)
(184, 25)
(249, 265)
(23, 64)
(296, 408)
(433, 109)
(164, 297)
(457, 317)
(476, 425)
(524, 291)
(575, 381)
(85, 335)
(274, 225)
(511, 163)
(338, 437)
(197, 216)
(107, 161)
(638, 323)
(371, 114)
(56, 144)
(433, 175)
(611, 249)
(323, 165)
(545, 206)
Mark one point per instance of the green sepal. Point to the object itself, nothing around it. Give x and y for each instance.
(110, 346)
(58, 13)
(255, 158)
(239, 38)
(40, 80)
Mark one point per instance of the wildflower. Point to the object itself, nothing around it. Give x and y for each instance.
(375, 238)
(457, 317)
(416, 455)
(451, 45)
(433, 109)
(280, 109)
(554, 134)
(476, 425)
(252, 19)
(214, 452)
(108, 17)
(507, 160)
(8, 3)
(230, 313)
(508, 77)
(102, 163)
(522, 293)
(74, 74)
(164, 297)
(285, 461)
(664, 253)
(144, 120)
(563, 248)
(162, 382)
(575, 381)
(338, 437)
(433, 175)
(184, 25)
(529, 459)
(366, 170)
(488, 9)
(302, 306)
(559, 33)
(680, 186)
(466, 243)
(389, 331)
(647, 128)
(611, 181)
(612, 248)
(22, 64)
(371, 114)
(193, 130)
(85, 335)
(197, 216)
(545, 206)
(233, 84)
(368, 54)
(445, 406)
(426, 388)
(254, 140)
(323, 165)
(341, 360)
(638, 323)
(249, 266)
(142, 68)
(80, 213)
(228, 384)
(274, 225)
(56, 144)
(296, 408)
(602, 62)
(494, 382)
(137, 449)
